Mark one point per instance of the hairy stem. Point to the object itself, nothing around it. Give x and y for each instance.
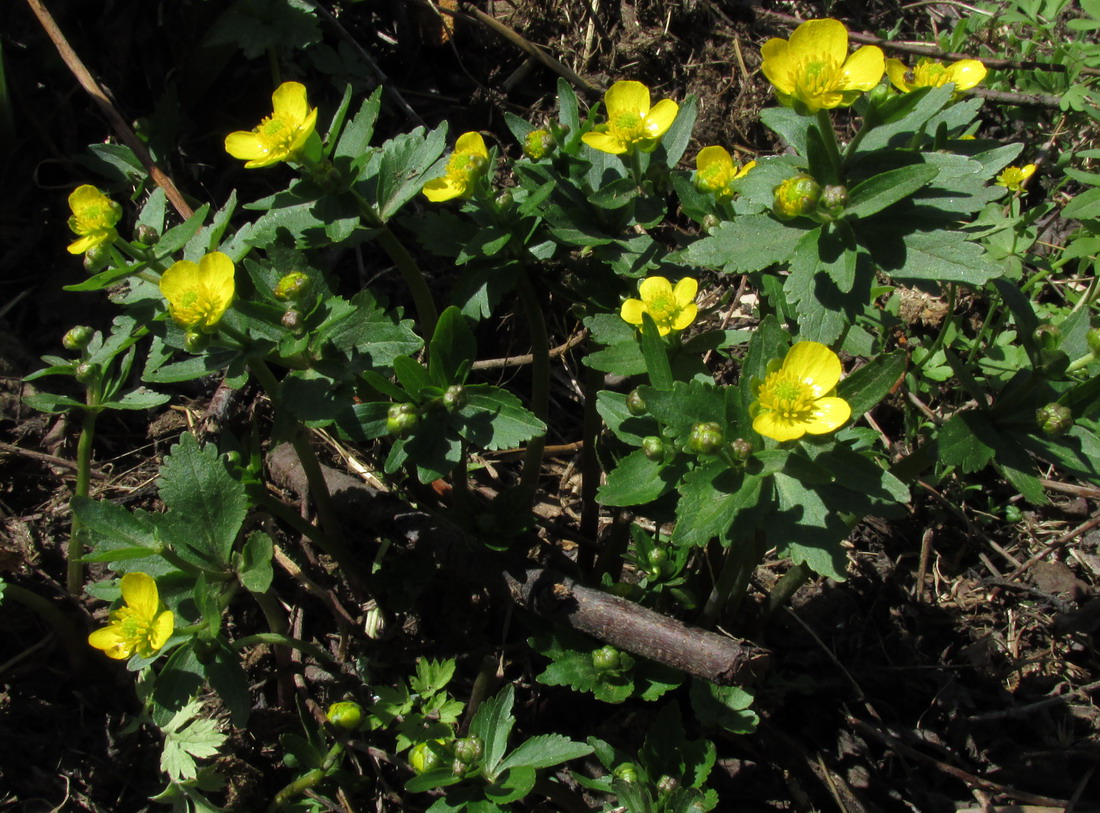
(74, 576)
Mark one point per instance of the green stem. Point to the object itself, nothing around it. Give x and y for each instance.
(733, 581)
(1084, 361)
(948, 320)
(590, 468)
(787, 586)
(540, 383)
(277, 639)
(308, 780)
(828, 138)
(75, 572)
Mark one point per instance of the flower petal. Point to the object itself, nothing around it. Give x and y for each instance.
(632, 311)
(966, 73)
(829, 413)
(178, 280)
(472, 144)
(139, 591)
(441, 189)
(684, 292)
(896, 70)
(685, 316)
(654, 288)
(778, 63)
(626, 97)
(111, 641)
(772, 425)
(826, 38)
(713, 156)
(289, 101)
(661, 117)
(604, 143)
(815, 364)
(247, 146)
(161, 630)
(864, 69)
(85, 243)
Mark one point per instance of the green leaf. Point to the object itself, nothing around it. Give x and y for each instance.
(493, 722)
(194, 484)
(750, 243)
(945, 256)
(655, 352)
(187, 738)
(967, 440)
(636, 480)
(254, 570)
(353, 148)
(676, 139)
(725, 707)
(712, 498)
(493, 418)
(684, 405)
(876, 193)
(176, 238)
(397, 172)
(452, 349)
(139, 398)
(227, 677)
(807, 530)
(1085, 206)
(432, 676)
(574, 668)
(864, 388)
(510, 786)
(545, 751)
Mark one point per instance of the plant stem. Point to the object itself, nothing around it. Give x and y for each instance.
(590, 468)
(66, 633)
(828, 138)
(275, 639)
(948, 319)
(787, 586)
(740, 561)
(74, 576)
(540, 383)
(307, 780)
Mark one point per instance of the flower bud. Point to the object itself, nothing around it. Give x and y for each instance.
(455, 397)
(346, 714)
(538, 144)
(635, 404)
(1093, 339)
(627, 771)
(606, 659)
(796, 196)
(292, 320)
(833, 200)
(96, 257)
(459, 768)
(654, 447)
(86, 372)
(469, 749)
(740, 450)
(292, 287)
(706, 438)
(195, 341)
(504, 201)
(1048, 337)
(667, 784)
(1054, 419)
(423, 759)
(147, 235)
(711, 222)
(402, 419)
(77, 338)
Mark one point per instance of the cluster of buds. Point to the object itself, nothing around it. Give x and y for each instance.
(293, 289)
(802, 196)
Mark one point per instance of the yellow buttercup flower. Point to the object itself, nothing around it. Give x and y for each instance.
(715, 171)
(140, 627)
(282, 135)
(669, 308)
(813, 71)
(1014, 178)
(464, 167)
(797, 396)
(964, 74)
(631, 123)
(199, 294)
(94, 218)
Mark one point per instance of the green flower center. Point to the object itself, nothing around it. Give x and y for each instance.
(136, 630)
(713, 178)
(787, 397)
(929, 73)
(663, 309)
(629, 127)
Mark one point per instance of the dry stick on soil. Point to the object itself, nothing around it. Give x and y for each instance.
(1061, 541)
(519, 361)
(1038, 705)
(118, 123)
(971, 780)
(7, 448)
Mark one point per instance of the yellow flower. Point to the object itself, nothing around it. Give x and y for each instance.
(797, 397)
(142, 626)
(199, 294)
(715, 171)
(965, 74)
(94, 218)
(1014, 178)
(669, 308)
(280, 136)
(631, 123)
(812, 70)
(464, 167)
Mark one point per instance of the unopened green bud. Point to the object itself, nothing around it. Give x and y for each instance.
(455, 397)
(423, 759)
(667, 784)
(1048, 337)
(347, 714)
(740, 450)
(833, 199)
(711, 222)
(469, 749)
(96, 257)
(627, 772)
(505, 201)
(292, 287)
(606, 659)
(795, 197)
(195, 341)
(147, 235)
(654, 447)
(706, 438)
(538, 144)
(292, 320)
(1054, 419)
(86, 372)
(459, 768)
(635, 404)
(77, 338)
(402, 419)
(1093, 339)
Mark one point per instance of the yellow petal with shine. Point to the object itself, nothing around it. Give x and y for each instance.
(815, 364)
(829, 414)
(632, 311)
(771, 425)
(821, 38)
(84, 243)
(685, 316)
(139, 590)
(654, 288)
(604, 143)
(661, 117)
(161, 630)
(178, 280)
(246, 146)
(896, 70)
(626, 97)
(777, 64)
(966, 73)
(289, 100)
(110, 640)
(709, 156)
(472, 144)
(864, 68)
(685, 291)
(441, 189)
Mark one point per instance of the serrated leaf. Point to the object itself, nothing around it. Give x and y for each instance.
(712, 497)
(493, 722)
(198, 739)
(807, 530)
(864, 388)
(944, 256)
(725, 707)
(194, 483)
(750, 243)
(545, 751)
(887, 188)
(968, 441)
(634, 481)
(493, 418)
